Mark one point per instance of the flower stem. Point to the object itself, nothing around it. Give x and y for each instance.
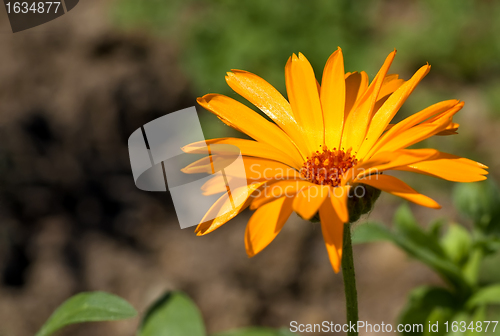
(351, 295)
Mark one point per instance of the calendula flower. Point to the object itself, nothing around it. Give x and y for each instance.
(323, 143)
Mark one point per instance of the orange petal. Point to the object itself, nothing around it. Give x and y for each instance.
(433, 113)
(389, 127)
(263, 95)
(442, 171)
(207, 164)
(332, 228)
(450, 129)
(256, 169)
(436, 109)
(304, 99)
(246, 147)
(246, 120)
(450, 167)
(392, 160)
(278, 189)
(338, 198)
(308, 201)
(395, 186)
(391, 83)
(387, 111)
(266, 223)
(333, 99)
(226, 208)
(266, 170)
(216, 185)
(358, 119)
(355, 85)
(363, 166)
(420, 132)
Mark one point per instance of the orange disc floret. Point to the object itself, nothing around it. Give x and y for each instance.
(328, 167)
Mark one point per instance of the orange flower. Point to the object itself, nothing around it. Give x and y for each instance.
(326, 140)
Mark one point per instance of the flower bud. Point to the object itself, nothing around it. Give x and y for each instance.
(361, 199)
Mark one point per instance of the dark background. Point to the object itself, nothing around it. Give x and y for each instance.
(74, 89)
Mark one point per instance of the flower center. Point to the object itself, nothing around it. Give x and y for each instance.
(328, 167)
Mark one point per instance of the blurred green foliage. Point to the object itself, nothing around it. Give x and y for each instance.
(458, 37)
(461, 256)
(481, 203)
(173, 314)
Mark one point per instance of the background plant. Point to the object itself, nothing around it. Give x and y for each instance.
(466, 258)
(457, 37)
(459, 255)
(173, 314)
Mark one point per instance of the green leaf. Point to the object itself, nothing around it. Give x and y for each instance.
(438, 315)
(408, 228)
(422, 302)
(256, 331)
(486, 295)
(174, 314)
(371, 232)
(435, 228)
(88, 307)
(472, 267)
(404, 219)
(460, 317)
(421, 245)
(492, 245)
(457, 243)
(444, 267)
(425, 247)
(479, 314)
(480, 201)
(286, 332)
(489, 272)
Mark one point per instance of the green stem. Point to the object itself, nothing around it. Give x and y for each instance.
(351, 295)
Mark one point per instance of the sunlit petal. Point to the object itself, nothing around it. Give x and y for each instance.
(359, 118)
(333, 99)
(387, 111)
(266, 223)
(332, 228)
(245, 120)
(308, 201)
(304, 99)
(395, 186)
